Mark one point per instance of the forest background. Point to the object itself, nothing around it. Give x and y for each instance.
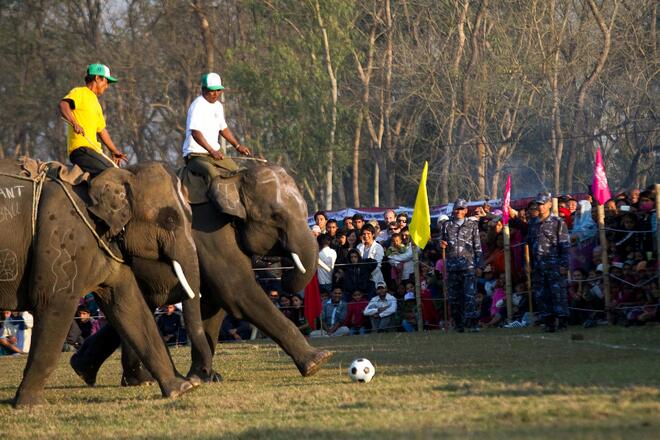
(352, 96)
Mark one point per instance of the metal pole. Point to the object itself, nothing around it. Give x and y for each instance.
(604, 260)
(418, 293)
(528, 273)
(507, 271)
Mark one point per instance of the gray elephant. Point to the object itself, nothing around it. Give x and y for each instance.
(62, 241)
(259, 211)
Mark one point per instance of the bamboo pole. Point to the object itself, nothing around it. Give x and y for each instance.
(444, 288)
(418, 292)
(528, 273)
(555, 206)
(507, 271)
(605, 262)
(657, 226)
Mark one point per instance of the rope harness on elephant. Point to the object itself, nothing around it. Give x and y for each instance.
(38, 177)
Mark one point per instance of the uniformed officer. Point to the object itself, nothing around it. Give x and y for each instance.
(460, 237)
(549, 244)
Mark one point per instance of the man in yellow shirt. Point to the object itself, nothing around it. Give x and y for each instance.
(82, 110)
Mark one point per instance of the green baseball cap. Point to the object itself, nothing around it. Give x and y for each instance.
(101, 70)
(212, 81)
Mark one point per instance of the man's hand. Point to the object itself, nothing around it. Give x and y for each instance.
(217, 154)
(118, 157)
(443, 244)
(77, 128)
(245, 151)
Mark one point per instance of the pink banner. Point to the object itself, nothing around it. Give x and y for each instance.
(599, 185)
(506, 204)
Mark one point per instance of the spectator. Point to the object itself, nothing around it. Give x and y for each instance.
(85, 321)
(316, 231)
(298, 315)
(332, 231)
(402, 220)
(170, 325)
(9, 334)
(356, 274)
(400, 258)
(355, 320)
(410, 314)
(274, 297)
(358, 221)
(381, 310)
(498, 303)
(333, 316)
(348, 224)
(234, 329)
(327, 259)
(371, 250)
(285, 307)
(321, 218)
(389, 217)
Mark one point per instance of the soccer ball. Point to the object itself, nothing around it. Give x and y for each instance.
(361, 370)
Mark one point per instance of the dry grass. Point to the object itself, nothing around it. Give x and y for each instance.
(499, 384)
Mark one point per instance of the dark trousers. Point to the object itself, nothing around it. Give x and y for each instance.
(89, 160)
(461, 287)
(550, 292)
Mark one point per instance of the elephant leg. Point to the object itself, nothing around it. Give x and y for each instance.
(127, 311)
(249, 302)
(51, 325)
(98, 347)
(202, 346)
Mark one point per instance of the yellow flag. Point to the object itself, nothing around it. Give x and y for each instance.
(420, 225)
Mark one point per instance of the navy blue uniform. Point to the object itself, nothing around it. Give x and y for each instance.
(463, 254)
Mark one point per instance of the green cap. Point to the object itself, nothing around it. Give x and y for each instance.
(101, 70)
(212, 81)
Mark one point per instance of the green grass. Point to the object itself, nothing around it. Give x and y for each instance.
(500, 384)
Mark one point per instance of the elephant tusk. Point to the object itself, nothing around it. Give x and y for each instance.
(296, 260)
(178, 270)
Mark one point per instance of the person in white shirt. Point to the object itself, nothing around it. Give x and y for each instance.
(327, 259)
(369, 248)
(204, 126)
(381, 310)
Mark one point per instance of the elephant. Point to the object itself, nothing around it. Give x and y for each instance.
(62, 241)
(258, 211)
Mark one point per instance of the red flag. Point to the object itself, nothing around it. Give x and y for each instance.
(599, 184)
(312, 301)
(506, 204)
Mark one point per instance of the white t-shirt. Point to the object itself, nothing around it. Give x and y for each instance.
(207, 118)
(328, 256)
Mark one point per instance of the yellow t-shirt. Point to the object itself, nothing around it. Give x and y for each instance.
(87, 111)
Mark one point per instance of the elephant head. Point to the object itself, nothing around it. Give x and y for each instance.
(146, 203)
(273, 214)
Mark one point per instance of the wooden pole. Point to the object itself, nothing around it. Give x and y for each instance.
(507, 271)
(605, 262)
(528, 273)
(418, 292)
(657, 227)
(444, 288)
(555, 206)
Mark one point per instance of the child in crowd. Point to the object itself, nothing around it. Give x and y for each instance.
(355, 320)
(498, 303)
(298, 315)
(396, 248)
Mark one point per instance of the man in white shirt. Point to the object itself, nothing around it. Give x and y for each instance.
(381, 310)
(327, 259)
(204, 126)
(369, 248)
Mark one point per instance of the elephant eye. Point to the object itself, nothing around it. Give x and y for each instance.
(168, 219)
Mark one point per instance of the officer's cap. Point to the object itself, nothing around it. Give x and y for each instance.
(460, 204)
(543, 198)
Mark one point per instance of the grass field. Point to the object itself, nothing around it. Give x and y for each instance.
(500, 384)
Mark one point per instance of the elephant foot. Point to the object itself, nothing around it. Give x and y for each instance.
(137, 377)
(313, 365)
(204, 377)
(85, 372)
(22, 400)
(176, 388)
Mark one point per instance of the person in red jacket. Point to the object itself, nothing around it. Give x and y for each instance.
(355, 319)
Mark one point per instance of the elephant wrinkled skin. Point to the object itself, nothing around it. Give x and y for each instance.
(49, 273)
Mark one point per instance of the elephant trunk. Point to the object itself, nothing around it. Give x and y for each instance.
(304, 253)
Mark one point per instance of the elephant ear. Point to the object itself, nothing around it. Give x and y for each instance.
(109, 193)
(225, 193)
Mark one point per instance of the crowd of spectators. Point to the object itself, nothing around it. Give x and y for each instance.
(366, 269)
